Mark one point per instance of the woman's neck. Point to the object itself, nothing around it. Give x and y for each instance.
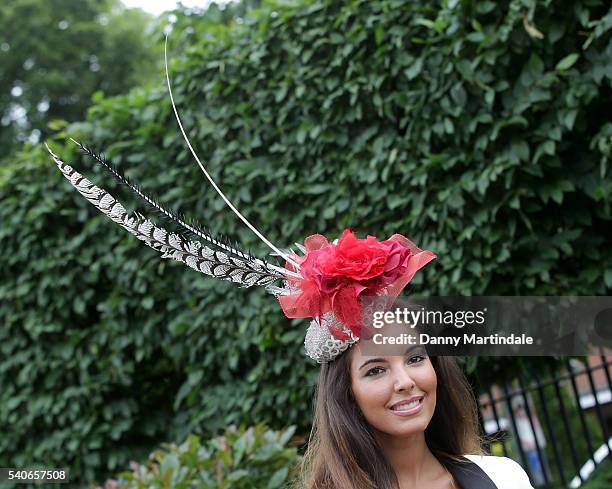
(412, 461)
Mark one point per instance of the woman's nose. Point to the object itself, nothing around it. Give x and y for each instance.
(403, 381)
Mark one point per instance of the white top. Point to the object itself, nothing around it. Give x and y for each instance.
(504, 472)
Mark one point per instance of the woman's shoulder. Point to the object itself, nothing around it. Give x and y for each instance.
(503, 471)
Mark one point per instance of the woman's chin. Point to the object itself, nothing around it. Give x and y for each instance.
(403, 428)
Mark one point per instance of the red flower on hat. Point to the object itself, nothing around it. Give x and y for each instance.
(335, 276)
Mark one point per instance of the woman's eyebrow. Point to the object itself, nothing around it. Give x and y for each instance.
(372, 360)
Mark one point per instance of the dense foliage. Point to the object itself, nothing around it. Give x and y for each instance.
(479, 129)
(240, 459)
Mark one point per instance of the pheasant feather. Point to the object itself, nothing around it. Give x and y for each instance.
(192, 253)
(193, 228)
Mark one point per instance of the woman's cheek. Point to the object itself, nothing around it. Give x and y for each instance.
(375, 397)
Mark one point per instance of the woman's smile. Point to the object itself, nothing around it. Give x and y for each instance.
(408, 407)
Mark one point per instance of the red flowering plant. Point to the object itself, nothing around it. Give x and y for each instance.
(334, 277)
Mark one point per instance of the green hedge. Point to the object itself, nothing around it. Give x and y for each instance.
(445, 121)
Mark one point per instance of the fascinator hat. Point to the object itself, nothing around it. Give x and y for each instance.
(328, 282)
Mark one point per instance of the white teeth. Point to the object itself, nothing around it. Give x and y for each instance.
(407, 407)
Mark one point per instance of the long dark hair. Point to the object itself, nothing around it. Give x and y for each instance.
(343, 452)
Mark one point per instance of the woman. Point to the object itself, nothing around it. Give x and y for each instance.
(399, 422)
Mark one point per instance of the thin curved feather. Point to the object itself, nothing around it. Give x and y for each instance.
(209, 178)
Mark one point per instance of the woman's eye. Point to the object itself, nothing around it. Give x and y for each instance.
(416, 359)
(374, 371)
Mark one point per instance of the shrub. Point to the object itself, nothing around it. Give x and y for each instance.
(240, 459)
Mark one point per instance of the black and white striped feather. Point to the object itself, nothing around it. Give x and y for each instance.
(211, 262)
(192, 228)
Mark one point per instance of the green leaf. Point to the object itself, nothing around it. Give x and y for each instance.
(547, 147)
(414, 69)
(484, 7)
(448, 126)
(287, 434)
(239, 475)
(567, 62)
(395, 201)
(475, 267)
(379, 34)
(536, 66)
(425, 23)
(608, 278)
(278, 478)
(521, 149)
(569, 118)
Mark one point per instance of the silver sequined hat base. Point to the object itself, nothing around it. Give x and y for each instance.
(321, 345)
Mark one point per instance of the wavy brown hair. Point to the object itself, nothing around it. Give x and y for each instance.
(343, 452)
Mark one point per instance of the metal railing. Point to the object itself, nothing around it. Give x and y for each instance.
(557, 425)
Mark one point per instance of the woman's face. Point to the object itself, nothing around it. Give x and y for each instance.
(396, 394)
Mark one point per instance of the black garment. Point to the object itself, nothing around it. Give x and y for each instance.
(469, 475)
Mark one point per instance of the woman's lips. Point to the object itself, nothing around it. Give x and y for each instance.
(409, 412)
